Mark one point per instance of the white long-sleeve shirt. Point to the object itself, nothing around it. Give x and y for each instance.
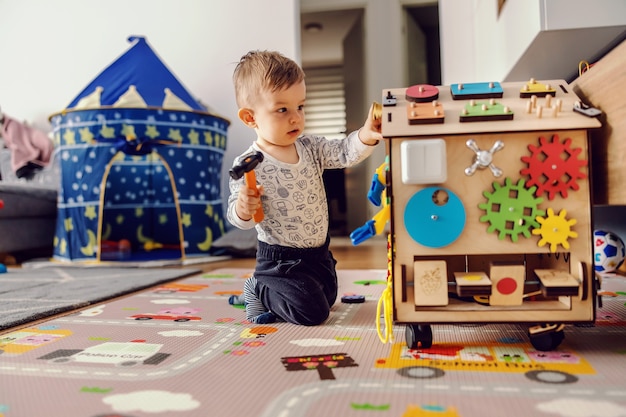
(294, 200)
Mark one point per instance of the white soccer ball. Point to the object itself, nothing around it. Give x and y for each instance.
(609, 251)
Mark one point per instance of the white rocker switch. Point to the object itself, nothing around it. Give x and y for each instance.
(423, 161)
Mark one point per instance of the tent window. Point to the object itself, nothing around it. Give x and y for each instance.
(325, 102)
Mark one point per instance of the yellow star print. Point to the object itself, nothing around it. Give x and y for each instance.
(208, 138)
(152, 132)
(175, 135)
(69, 225)
(90, 212)
(85, 135)
(63, 247)
(186, 219)
(194, 137)
(129, 132)
(107, 132)
(69, 137)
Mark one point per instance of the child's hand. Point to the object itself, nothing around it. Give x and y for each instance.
(248, 202)
(370, 133)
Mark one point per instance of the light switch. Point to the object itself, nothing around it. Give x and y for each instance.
(423, 161)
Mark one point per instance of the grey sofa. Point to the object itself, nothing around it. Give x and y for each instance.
(28, 215)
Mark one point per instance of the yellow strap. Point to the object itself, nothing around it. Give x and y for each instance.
(583, 66)
(384, 308)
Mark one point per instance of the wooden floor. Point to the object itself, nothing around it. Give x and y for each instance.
(371, 254)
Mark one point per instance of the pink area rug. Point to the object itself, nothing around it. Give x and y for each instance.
(181, 350)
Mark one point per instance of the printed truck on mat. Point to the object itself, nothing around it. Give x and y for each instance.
(114, 353)
(555, 367)
(179, 314)
(175, 287)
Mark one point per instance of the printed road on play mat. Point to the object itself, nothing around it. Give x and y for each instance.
(182, 350)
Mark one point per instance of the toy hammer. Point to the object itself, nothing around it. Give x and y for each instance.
(246, 167)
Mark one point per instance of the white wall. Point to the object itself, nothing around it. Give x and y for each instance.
(531, 38)
(52, 49)
(479, 45)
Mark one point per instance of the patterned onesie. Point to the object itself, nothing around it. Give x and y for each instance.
(295, 271)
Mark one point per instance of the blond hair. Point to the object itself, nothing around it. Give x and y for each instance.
(264, 70)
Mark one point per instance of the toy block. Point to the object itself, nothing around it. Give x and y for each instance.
(470, 284)
(476, 91)
(430, 283)
(424, 113)
(535, 88)
(508, 285)
(556, 283)
(422, 93)
(475, 111)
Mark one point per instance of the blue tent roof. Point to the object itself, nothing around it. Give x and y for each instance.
(140, 67)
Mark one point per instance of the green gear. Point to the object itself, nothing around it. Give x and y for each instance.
(511, 209)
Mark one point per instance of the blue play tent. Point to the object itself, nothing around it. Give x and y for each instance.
(141, 163)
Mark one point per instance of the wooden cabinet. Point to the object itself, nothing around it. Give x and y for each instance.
(490, 207)
(603, 87)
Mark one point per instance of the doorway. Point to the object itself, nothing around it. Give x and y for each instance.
(423, 44)
(333, 42)
(332, 59)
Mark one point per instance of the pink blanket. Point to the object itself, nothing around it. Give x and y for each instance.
(28, 145)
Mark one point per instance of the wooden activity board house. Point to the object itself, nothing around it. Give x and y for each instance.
(488, 185)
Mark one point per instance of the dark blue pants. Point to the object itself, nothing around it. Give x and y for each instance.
(297, 285)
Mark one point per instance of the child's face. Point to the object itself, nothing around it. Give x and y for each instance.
(279, 115)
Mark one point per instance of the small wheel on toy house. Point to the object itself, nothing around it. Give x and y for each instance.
(546, 337)
(418, 336)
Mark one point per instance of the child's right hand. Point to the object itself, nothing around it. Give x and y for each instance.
(370, 133)
(248, 202)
